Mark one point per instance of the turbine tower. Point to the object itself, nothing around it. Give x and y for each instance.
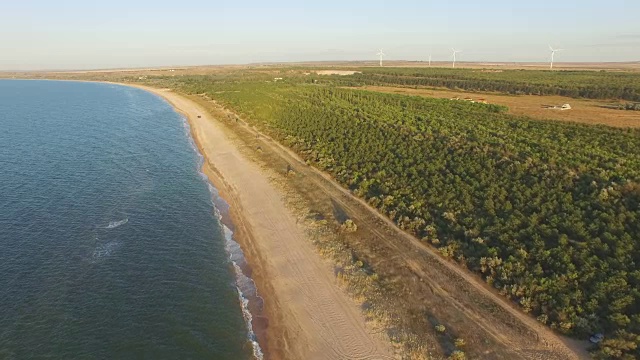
(380, 54)
(454, 56)
(553, 52)
(429, 60)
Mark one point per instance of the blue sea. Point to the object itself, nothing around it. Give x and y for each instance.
(110, 244)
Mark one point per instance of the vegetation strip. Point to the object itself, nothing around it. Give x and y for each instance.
(546, 212)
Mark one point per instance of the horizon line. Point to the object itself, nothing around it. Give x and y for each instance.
(328, 62)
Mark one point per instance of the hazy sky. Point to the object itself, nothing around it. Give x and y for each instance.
(80, 34)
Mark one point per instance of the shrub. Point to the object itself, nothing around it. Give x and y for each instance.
(349, 226)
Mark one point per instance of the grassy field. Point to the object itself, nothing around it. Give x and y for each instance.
(586, 111)
(576, 84)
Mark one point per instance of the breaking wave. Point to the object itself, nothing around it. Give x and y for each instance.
(115, 224)
(245, 287)
(105, 250)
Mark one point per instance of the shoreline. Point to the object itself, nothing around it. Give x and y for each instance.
(252, 304)
(492, 323)
(229, 217)
(544, 340)
(306, 314)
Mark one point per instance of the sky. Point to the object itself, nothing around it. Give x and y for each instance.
(86, 34)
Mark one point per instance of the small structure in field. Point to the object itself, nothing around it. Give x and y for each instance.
(557, 107)
(277, 79)
(337, 72)
(479, 101)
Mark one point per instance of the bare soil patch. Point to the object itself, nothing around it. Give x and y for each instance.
(582, 110)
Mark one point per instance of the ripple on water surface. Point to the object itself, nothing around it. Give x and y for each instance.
(109, 244)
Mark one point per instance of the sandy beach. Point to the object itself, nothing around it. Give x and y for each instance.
(309, 315)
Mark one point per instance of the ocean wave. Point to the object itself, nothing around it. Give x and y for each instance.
(105, 250)
(245, 286)
(187, 131)
(115, 224)
(246, 314)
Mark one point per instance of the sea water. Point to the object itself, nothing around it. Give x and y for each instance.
(110, 245)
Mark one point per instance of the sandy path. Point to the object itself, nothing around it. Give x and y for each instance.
(320, 320)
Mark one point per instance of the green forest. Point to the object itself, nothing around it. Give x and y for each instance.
(546, 212)
(577, 84)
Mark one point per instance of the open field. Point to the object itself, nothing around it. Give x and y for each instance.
(606, 85)
(497, 65)
(336, 72)
(582, 110)
(326, 65)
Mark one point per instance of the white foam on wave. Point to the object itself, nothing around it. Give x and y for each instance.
(115, 224)
(105, 250)
(187, 131)
(244, 284)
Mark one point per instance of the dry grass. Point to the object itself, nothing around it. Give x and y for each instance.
(583, 110)
(498, 65)
(341, 66)
(336, 72)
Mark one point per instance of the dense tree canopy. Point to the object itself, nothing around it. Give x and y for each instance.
(577, 84)
(546, 212)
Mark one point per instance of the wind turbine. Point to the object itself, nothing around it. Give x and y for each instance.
(380, 54)
(454, 56)
(553, 52)
(429, 60)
